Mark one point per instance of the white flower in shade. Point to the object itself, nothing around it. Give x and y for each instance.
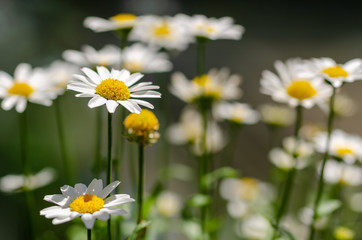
(164, 32)
(18, 183)
(60, 73)
(355, 202)
(344, 106)
(113, 88)
(168, 204)
(214, 86)
(240, 113)
(342, 173)
(306, 217)
(27, 85)
(109, 56)
(335, 73)
(284, 159)
(89, 203)
(212, 28)
(295, 227)
(294, 85)
(342, 145)
(255, 227)
(276, 115)
(117, 22)
(140, 58)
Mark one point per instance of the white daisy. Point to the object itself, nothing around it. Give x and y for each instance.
(212, 28)
(214, 86)
(164, 32)
(255, 227)
(342, 145)
(240, 113)
(140, 58)
(276, 115)
(109, 56)
(342, 173)
(89, 203)
(117, 22)
(344, 106)
(335, 73)
(26, 85)
(294, 85)
(113, 88)
(168, 204)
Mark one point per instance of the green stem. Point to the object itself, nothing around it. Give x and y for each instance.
(324, 161)
(109, 167)
(201, 47)
(59, 121)
(291, 174)
(89, 234)
(97, 148)
(140, 182)
(204, 167)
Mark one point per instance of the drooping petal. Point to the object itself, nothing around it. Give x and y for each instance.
(111, 106)
(96, 101)
(88, 220)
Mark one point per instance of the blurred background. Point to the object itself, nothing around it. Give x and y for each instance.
(38, 31)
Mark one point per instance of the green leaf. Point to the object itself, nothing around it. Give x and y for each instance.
(199, 200)
(328, 207)
(224, 172)
(140, 227)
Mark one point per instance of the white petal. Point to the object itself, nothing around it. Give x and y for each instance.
(9, 102)
(84, 95)
(103, 72)
(95, 187)
(22, 72)
(88, 220)
(131, 106)
(50, 210)
(21, 105)
(70, 192)
(58, 199)
(102, 215)
(92, 75)
(80, 188)
(96, 101)
(117, 199)
(133, 79)
(111, 106)
(108, 189)
(146, 94)
(142, 103)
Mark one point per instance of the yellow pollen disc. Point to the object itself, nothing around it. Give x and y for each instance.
(112, 89)
(336, 71)
(202, 80)
(342, 151)
(141, 123)
(133, 66)
(343, 233)
(87, 203)
(162, 30)
(301, 89)
(22, 89)
(122, 17)
(205, 84)
(249, 188)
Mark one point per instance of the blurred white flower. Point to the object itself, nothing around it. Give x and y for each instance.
(342, 173)
(306, 217)
(109, 56)
(113, 89)
(18, 183)
(240, 113)
(255, 227)
(355, 202)
(295, 227)
(117, 22)
(294, 85)
(27, 85)
(344, 106)
(342, 145)
(168, 204)
(212, 28)
(276, 115)
(164, 32)
(145, 59)
(335, 73)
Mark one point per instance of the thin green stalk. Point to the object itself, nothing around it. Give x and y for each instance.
(201, 47)
(89, 234)
(230, 151)
(324, 161)
(204, 168)
(59, 121)
(141, 149)
(291, 174)
(109, 167)
(97, 148)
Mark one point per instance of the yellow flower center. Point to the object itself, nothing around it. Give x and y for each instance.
(336, 71)
(163, 30)
(343, 233)
(202, 80)
(112, 89)
(206, 27)
(207, 87)
(342, 151)
(140, 124)
(249, 188)
(123, 17)
(133, 66)
(87, 203)
(22, 89)
(301, 89)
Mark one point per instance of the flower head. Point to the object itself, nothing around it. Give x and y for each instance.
(168, 204)
(113, 88)
(239, 113)
(89, 203)
(275, 115)
(26, 85)
(342, 173)
(343, 233)
(118, 22)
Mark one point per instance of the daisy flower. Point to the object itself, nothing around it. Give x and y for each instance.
(109, 56)
(164, 32)
(239, 113)
(140, 58)
(27, 85)
(88, 203)
(255, 227)
(276, 115)
(118, 22)
(293, 85)
(212, 28)
(342, 173)
(335, 73)
(343, 233)
(342, 145)
(344, 106)
(113, 88)
(168, 204)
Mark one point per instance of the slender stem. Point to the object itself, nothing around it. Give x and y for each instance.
(291, 174)
(325, 157)
(201, 46)
(97, 148)
(89, 234)
(140, 182)
(59, 121)
(109, 167)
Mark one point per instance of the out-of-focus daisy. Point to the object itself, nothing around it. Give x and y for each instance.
(239, 113)
(284, 159)
(140, 58)
(214, 86)
(168, 204)
(342, 173)
(113, 88)
(27, 85)
(276, 115)
(118, 22)
(344, 106)
(89, 203)
(164, 32)
(294, 85)
(342, 145)
(355, 202)
(343, 233)
(109, 56)
(335, 73)
(255, 227)
(306, 217)
(212, 28)
(142, 128)
(18, 183)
